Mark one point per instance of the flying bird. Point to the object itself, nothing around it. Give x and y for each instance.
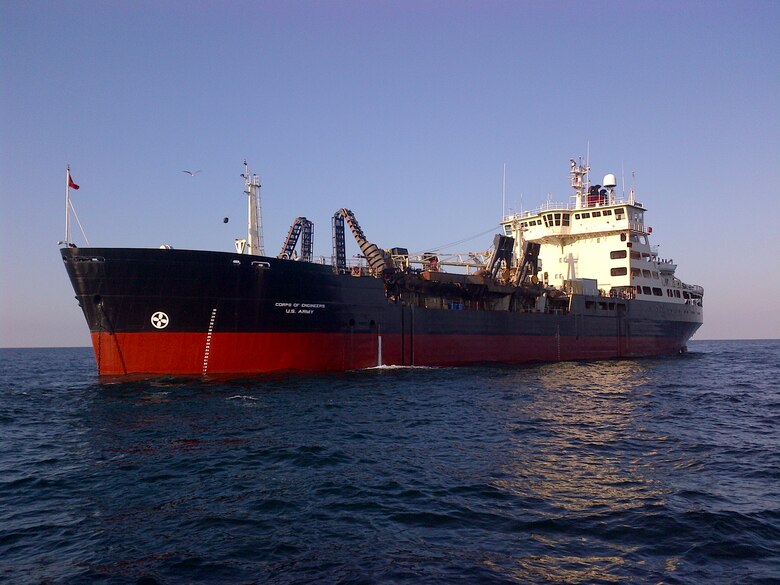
(191, 173)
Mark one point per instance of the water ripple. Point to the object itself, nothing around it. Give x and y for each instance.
(657, 470)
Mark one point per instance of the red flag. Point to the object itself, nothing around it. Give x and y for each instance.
(71, 184)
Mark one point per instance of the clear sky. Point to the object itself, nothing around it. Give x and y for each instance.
(403, 111)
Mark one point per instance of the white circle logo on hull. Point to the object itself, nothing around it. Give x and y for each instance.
(160, 320)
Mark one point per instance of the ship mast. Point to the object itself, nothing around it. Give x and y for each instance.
(579, 181)
(254, 237)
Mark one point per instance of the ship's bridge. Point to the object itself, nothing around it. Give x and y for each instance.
(553, 221)
(599, 235)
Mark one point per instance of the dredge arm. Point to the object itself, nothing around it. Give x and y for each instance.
(301, 226)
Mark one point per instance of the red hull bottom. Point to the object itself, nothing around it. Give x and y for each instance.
(198, 354)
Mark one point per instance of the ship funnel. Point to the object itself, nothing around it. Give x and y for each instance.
(610, 182)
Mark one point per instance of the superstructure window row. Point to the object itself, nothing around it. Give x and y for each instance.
(589, 214)
(531, 223)
(556, 219)
(645, 273)
(646, 290)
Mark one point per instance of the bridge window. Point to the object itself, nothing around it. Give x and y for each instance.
(557, 219)
(596, 214)
(565, 219)
(585, 215)
(646, 290)
(614, 255)
(658, 292)
(636, 272)
(622, 271)
(607, 212)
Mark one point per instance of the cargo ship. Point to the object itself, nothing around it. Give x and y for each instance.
(568, 281)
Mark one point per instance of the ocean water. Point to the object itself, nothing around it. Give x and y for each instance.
(646, 471)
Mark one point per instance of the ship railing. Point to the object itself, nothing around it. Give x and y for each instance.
(355, 260)
(554, 205)
(468, 260)
(328, 261)
(622, 292)
(549, 206)
(694, 288)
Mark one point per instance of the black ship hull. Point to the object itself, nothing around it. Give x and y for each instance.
(194, 313)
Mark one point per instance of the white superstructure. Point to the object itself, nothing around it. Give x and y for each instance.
(600, 237)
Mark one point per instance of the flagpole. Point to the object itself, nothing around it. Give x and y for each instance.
(67, 206)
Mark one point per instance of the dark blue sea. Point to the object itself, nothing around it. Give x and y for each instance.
(645, 471)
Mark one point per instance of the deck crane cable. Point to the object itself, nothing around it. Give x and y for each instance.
(439, 248)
